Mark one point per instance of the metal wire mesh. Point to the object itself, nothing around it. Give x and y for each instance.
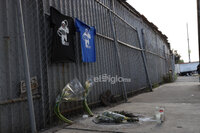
(53, 77)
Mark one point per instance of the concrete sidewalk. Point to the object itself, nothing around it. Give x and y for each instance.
(181, 100)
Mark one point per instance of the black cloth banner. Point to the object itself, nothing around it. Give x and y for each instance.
(63, 49)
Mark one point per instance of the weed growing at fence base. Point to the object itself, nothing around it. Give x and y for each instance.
(168, 78)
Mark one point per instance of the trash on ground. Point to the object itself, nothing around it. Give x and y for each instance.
(115, 117)
(146, 119)
(85, 116)
(160, 114)
(107, 98)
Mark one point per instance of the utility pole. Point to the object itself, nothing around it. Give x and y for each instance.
(188, 43)
(198, 22)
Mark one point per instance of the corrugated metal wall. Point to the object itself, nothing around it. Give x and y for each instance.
(14, 116)
(53, 77)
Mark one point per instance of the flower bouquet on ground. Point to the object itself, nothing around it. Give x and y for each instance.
(74, 91)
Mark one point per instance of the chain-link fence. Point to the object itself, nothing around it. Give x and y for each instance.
(51, 78)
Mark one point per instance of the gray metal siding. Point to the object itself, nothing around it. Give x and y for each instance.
(52, 78)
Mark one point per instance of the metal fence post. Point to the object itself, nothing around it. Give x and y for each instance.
(143, 58)
(118, 55)
(26, 69)
(173, 67)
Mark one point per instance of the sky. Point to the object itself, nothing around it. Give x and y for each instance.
(171, 17)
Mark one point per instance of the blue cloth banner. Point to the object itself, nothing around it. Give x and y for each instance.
(87, 36)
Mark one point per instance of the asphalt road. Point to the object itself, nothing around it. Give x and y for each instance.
(180, 99)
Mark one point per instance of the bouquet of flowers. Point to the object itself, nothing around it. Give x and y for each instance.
(74, 91)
